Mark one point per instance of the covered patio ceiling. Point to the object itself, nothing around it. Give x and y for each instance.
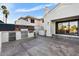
(66, 19)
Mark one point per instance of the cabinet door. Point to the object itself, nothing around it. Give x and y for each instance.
(12, 36)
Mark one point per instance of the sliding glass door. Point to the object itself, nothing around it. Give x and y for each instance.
(73, 27)
(67, 27)
(63, 27)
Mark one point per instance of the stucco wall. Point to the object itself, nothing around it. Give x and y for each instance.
(21, 22)
(31, 34)
(5, 36)
(24, 22)
(61, 11)
(38, 22)
(53, 28)
(18, 35)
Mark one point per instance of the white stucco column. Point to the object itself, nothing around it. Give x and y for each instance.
(47, 23)
(30, 34)
(47, 27)
(53, 27)
(5, 36)
(18, 35)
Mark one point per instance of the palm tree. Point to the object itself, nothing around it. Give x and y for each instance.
(3, 7)
(5, 13)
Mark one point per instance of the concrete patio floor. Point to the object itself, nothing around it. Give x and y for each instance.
(41, 46)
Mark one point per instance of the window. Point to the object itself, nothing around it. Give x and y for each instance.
(32, 21)
(73, 27)
(43, 21)
(63, 27)
(69, 27)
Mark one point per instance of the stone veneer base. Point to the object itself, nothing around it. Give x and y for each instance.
(65, 37)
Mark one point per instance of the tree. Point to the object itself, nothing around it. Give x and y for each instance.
(5, 13)
(3, 7)
(74, 28)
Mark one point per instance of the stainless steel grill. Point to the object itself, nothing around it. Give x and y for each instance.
(12, 36)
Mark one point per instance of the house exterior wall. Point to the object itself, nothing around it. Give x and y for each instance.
(39, 25)
(61, 11)
(47, 27)
(20, 22)
(38, 22)
(24, 22)
(29, 22)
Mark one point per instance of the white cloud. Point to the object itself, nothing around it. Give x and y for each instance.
(1, 18)
(33, 9)
(39, 17)
(11, 21)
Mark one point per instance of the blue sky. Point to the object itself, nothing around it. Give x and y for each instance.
(24, 9)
